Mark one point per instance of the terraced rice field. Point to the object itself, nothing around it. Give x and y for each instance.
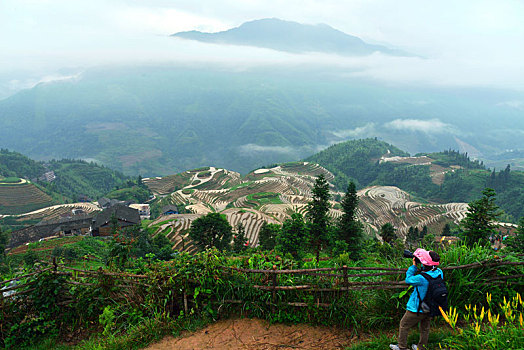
(247, 200)
(55, 211)
(176, 226)
(19, 198)
(382, 204)
(167, 184)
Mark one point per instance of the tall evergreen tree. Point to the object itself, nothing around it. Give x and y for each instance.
(317, 214)
(240, 239)
(388, 232)
(292, 237)
(267, 236)
(413, 236)
(349, 228)
(478, 224)
(446, 231)
(423, 232)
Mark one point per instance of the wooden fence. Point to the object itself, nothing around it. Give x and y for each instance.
(340, 278)
(325, 280)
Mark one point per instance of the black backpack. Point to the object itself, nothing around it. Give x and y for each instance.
(437, 295)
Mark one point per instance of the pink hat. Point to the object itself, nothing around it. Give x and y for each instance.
(424, 257)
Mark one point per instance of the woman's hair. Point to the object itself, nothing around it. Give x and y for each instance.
(428, 268)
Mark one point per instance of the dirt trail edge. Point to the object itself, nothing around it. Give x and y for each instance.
(258, 335)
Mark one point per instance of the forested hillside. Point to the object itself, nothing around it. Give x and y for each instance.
(447, 176)
(157, 121)
(356, 160)
(15, 164)
(74, 179)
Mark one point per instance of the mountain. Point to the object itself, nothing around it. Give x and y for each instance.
(277, 34)
(160, 120)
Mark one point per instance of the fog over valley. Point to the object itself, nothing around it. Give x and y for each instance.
(163, 86)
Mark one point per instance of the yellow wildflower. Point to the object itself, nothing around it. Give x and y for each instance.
(477, 329)
(494, 320)
(446, 318)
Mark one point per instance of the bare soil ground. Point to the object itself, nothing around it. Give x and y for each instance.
(255, 334)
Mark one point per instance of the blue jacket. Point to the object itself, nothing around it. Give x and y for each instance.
(420, 284)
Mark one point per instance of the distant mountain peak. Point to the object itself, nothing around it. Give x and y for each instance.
(288, 36)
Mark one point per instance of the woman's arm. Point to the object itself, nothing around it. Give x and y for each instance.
(412, 278)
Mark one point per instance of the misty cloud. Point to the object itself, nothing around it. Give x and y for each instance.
(361, 131)
(512, 104)
(16, 84)
(254, 148)
(431, 126)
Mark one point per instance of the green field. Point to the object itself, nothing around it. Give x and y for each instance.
(22, 198)
(10, 180)
(265, 198)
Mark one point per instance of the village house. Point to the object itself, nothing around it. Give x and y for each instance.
(124, 215)
(62, 226)
(169, 209)
(143, 210)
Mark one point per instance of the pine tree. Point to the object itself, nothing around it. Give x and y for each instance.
(239, 240)
(478, 224)
(388, 233)
(412, 236)
(267, 236)
(292, 238)
(317, 214)
(349, 228)
(423, 232)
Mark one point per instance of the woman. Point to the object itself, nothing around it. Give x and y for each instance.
(415, 313)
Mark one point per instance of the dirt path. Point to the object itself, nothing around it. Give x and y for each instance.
(254, 334)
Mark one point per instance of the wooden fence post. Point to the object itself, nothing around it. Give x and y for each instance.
(345, 271)
(185, 303)
(274, 292)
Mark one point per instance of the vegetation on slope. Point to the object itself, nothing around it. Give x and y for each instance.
(106, 304)
(464, 179)
(76, 180)
(355, 160)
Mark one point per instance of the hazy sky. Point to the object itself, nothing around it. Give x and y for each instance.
(477, 42)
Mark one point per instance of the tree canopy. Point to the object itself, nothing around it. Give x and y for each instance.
(317, 214)
(211, 230)
(349, 229)
(478, 224)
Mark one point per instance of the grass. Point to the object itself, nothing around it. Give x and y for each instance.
(57, 242)
(136, 337)
(245, 184)
(382, 340)
(265, 198)
(10, 180)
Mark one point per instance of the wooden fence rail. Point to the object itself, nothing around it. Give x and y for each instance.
(338, 279)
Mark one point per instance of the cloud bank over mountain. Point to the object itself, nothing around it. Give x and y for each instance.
(47, 36)
(431, 126)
